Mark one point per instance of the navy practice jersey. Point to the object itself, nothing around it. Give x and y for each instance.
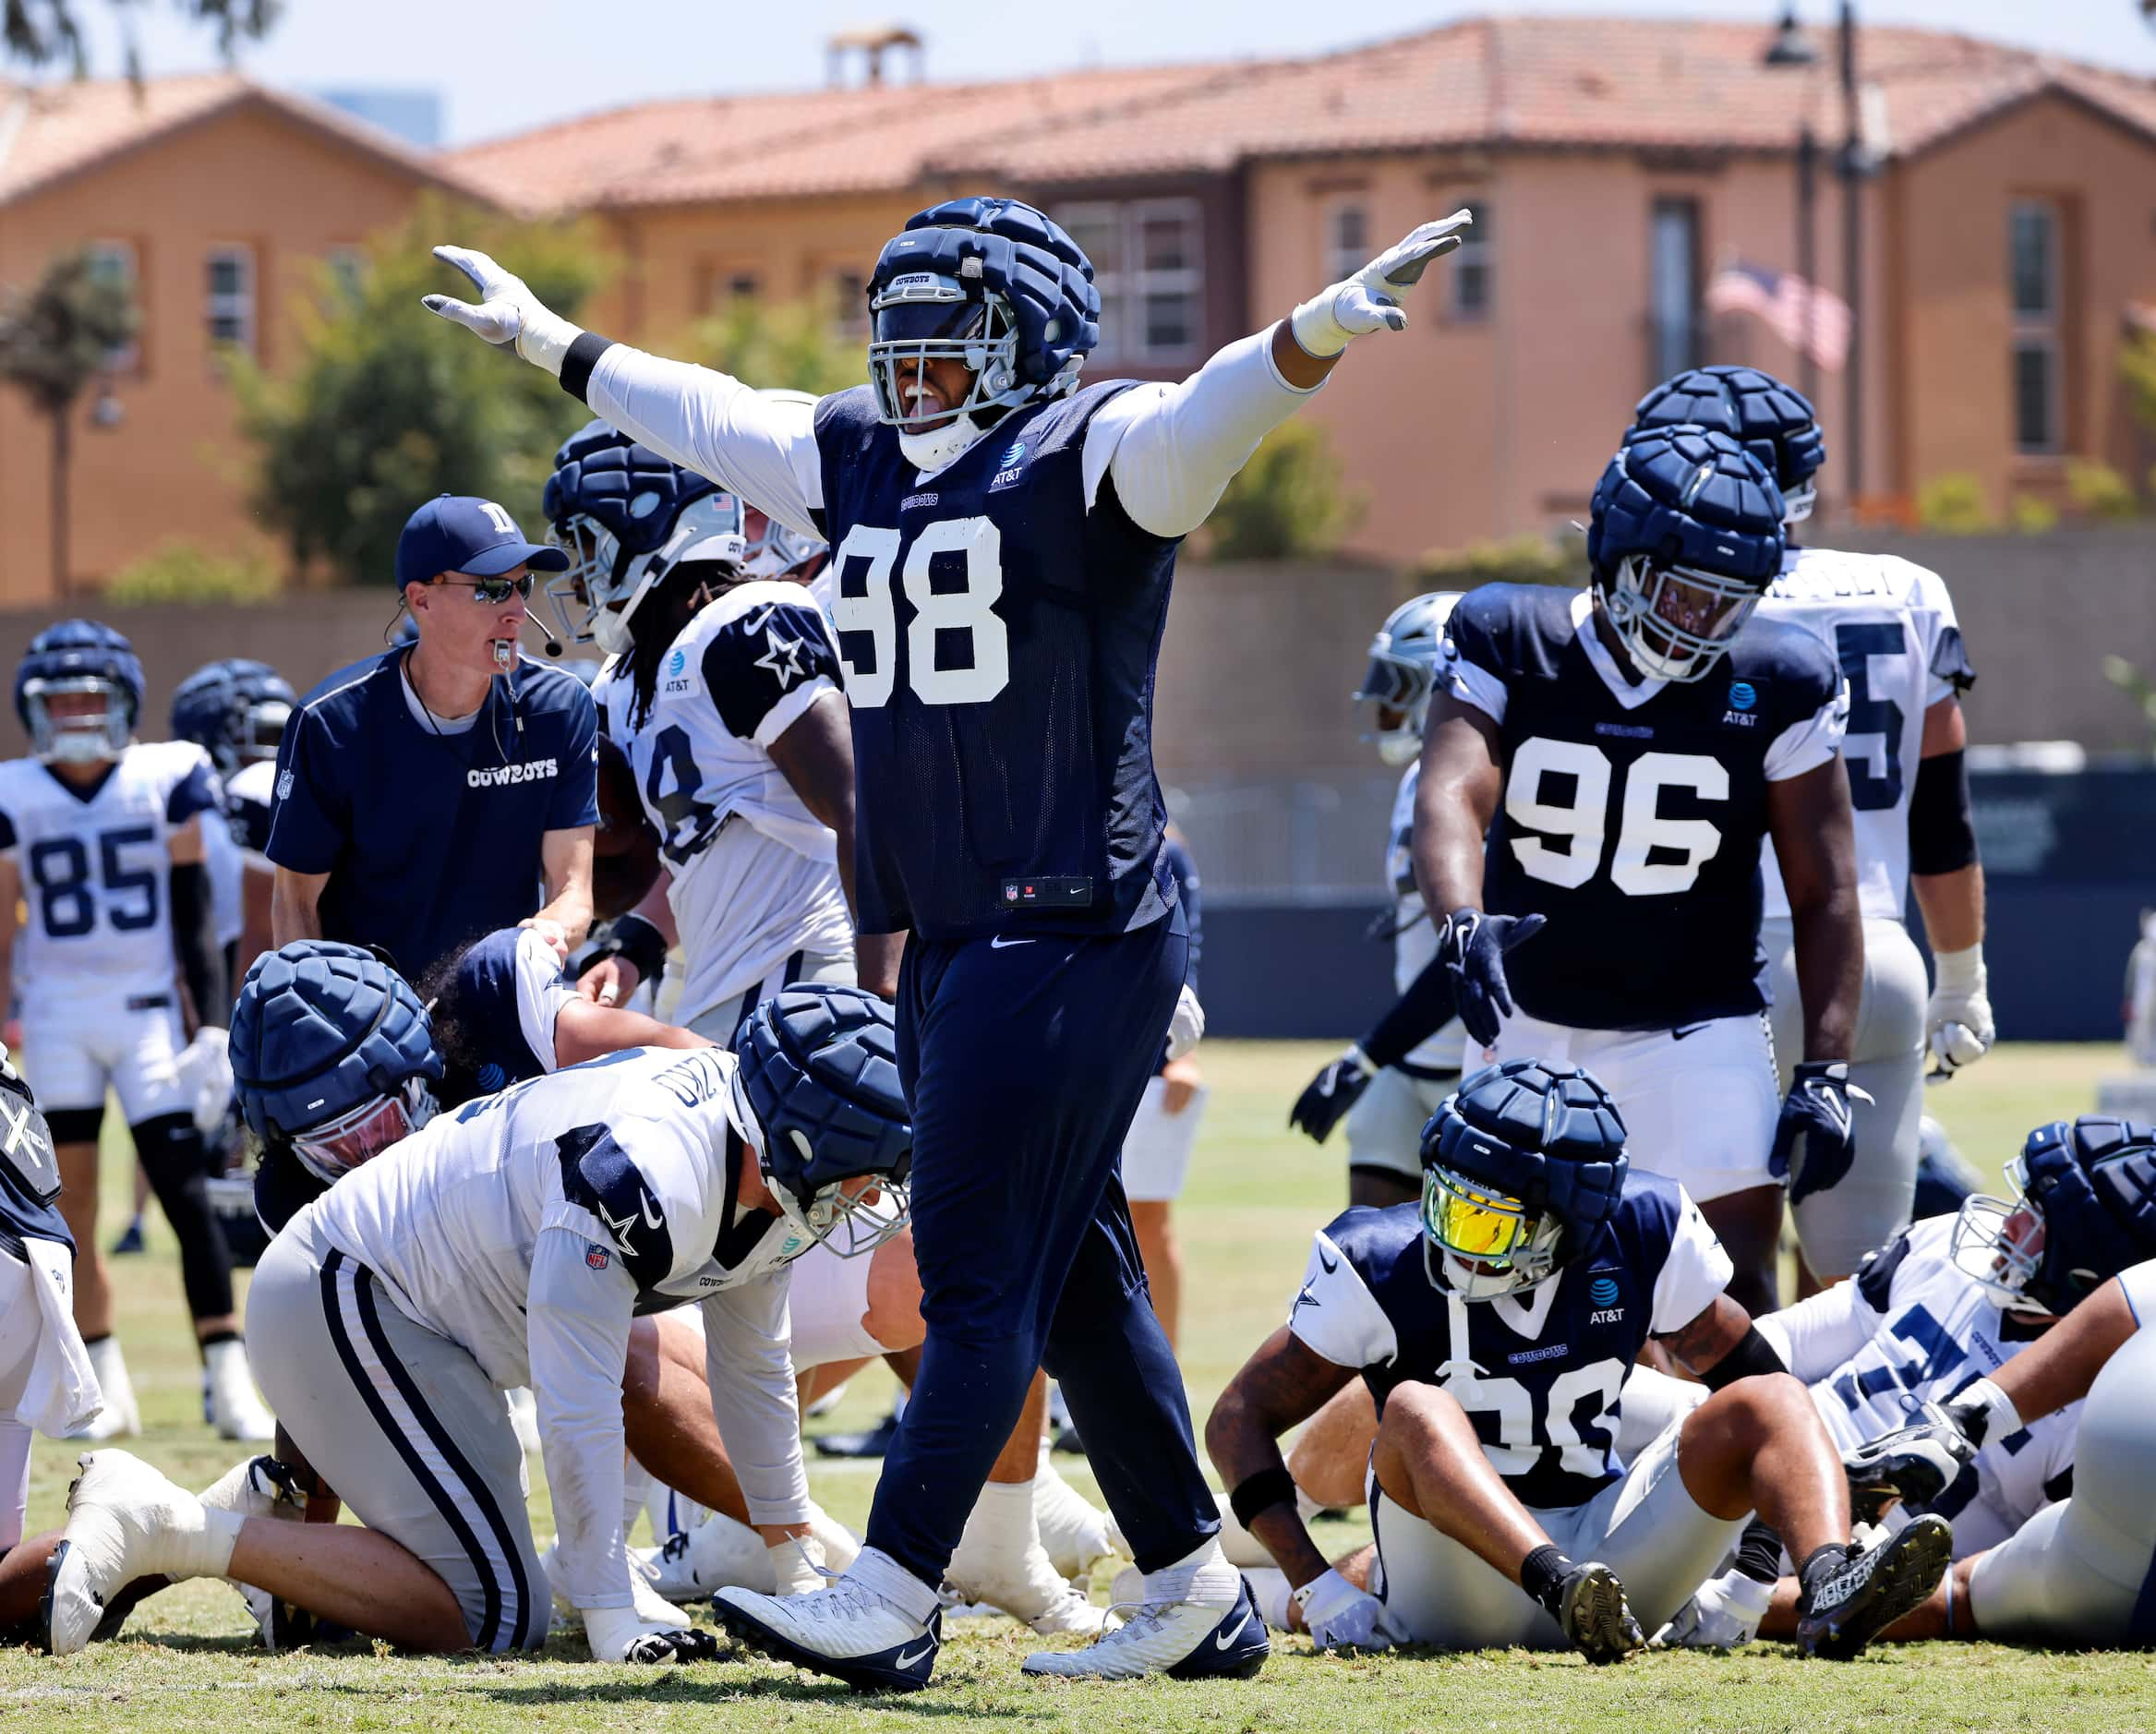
(999, 639)
(1538, 1373)
(1632, 813)
(30, 1176)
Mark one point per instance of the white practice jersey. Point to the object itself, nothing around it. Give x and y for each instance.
(1415, 936)
(222, 860)
(249, 799)
(1910, 1323)
(1891, 626)
(96, 869)
(755, 876)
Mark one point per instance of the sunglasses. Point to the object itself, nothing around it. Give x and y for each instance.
(492, 590)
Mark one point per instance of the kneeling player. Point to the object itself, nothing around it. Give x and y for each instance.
(1495, 1326)
(526, 1229)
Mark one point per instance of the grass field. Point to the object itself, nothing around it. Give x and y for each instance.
(1254, 1194)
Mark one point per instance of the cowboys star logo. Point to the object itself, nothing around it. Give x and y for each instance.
(783, 657)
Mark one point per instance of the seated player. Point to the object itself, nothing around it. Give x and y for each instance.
(509, 1243)
(1495, 1325)
(1953, 1299)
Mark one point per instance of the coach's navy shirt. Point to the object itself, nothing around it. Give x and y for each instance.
(431, 840)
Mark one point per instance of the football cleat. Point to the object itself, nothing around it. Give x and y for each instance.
(1594, 1616)
(872, 1443)
(1912, 1465)
(1845, 1605)
(1182, 1640)
(261, 1487)
(125, 1521)
(1075, 1532)
(846, 1630)
(1723, 1615)
(130, 1241)
(120, 1417)
(1028, 1588)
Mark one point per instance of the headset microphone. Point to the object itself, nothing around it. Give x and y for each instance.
(553, 644)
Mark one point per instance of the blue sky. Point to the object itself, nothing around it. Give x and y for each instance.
(503, 66)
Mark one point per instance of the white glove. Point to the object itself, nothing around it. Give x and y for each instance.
(204, 1068)
(1370, 301)
(1340, 1616)
(1186, 1024)
(508, 313)
(797, 1565)
(1724, 1615)
(616, 1634)
(1957, 1021)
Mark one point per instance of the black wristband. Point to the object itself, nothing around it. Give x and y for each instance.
(1261, 1492)
(641, 944)
(585, 351)
(1754, 1354)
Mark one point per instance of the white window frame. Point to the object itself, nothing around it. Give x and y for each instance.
(235, 305)
(1124, 290)
(122, 358)
(1344, 255)
(848, 303)
(1477, 249)
(2039, 333)
(1661, 366)
(347, 263)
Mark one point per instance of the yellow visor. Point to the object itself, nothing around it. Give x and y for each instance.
(1472, 1223)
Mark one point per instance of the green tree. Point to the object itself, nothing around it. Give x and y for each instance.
(1287, 503)
(387, 406)
(796, 344)
(43, 32)
(53, 341)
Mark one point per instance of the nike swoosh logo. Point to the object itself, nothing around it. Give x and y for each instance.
(1689, 1029)
(1234, 1632)
(908, 1661)
(1331, 1264)
(1000, 943)
(649, 1220)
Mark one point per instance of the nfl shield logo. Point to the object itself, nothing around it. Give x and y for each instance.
(595, 1257)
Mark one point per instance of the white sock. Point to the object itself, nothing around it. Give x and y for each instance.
(1204, 1577)
(880, 1574)
(637, 1486)
(199, 1542)
(841, 1545)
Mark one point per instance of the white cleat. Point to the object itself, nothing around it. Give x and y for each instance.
(125, 1521)
(721, 1554)
(232, 1403)
(646, 1598)
(1075, 1531)
(1028, 1588)
(845, 1630)
(1182, 1640)
(120, 1417)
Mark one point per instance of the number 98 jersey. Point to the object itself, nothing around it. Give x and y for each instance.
(95, 870)
(1631, 812)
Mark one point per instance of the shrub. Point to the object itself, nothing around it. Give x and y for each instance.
(2098, 491)
(2032, 515)
(1288, 502)
(1520, 559)
(185, 573)
(1953, 505)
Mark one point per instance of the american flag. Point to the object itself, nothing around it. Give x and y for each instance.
(1781, 298)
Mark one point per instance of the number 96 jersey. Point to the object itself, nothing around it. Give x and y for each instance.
(94, 870)
(1632, 812)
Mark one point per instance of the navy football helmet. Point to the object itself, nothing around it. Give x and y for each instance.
(71, 658)
(1775, 422)
(1521, 1165)
(628, 517)
(989, 282)
(1403, 673)
(332, 1053)
(818, 1078)
(235, 710)
(2084, 1209)
(1684, 537)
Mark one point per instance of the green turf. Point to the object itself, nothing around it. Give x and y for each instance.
(1254, 1194)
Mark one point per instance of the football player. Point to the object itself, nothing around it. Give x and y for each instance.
(1391, 1081)
(513, 1243)
(1494, 1324)
(726, 691)
(235, 711)
(102, 844)
(1892, 628)
(1608, 761)
(1004, 538)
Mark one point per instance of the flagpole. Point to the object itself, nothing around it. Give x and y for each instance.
(1852, 223)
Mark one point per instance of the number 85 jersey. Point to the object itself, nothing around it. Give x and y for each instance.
(95, 869)
(1631, 812)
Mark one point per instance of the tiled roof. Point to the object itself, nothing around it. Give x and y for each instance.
(1551, 82)
(49, 131)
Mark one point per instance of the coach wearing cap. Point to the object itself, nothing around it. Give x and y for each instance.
(424, 795)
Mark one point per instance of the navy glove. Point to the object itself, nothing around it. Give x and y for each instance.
(1330, 1094)
(1473, 947)
(1815, 1139)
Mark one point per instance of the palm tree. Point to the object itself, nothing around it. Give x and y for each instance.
(53, 341)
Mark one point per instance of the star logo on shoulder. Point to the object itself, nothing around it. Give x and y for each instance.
(783, 657)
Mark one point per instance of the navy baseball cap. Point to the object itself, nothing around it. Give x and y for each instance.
(457, 532)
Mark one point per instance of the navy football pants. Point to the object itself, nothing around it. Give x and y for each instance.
(1024, 1062)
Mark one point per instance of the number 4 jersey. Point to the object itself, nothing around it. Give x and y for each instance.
(1632, 812)
(1891, 625)
(94, 868)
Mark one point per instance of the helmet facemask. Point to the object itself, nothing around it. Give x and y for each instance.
(850, 1223)
(1488, 1244)
(1676, 621)
(262, 730)
(332, 1148)
(923, 316)
(1799, 500)
(1998, 1244)
(608, 582)
(89, 739)
(1397, 690)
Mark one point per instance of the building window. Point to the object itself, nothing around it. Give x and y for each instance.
(850, 299)
(347, 273)
(2033, 288)
(113, 262)
(741, 286)
(1470, 270)
(232, 299)
(1347, 238)
(1149, 266)
(1673, 308)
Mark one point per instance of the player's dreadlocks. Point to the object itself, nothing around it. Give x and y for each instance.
(658, 620)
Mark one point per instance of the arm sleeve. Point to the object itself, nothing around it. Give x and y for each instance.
(1416, 1015)
(1809, 742)
(576, 778)
(712, 423)
(542, 989)
(308, 826)
(1818, 1334)
(1336, 1315)
(764, 669)
(577, 1320)
(752, 1396)
(1695, 1270)
(1174, 448)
